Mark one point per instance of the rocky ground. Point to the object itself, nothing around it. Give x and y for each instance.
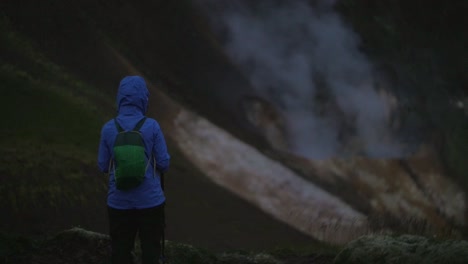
(77, 246)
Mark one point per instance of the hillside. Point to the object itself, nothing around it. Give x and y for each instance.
(68, 81)
(246, 170)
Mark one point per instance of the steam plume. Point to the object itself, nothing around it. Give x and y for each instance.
(306, 61)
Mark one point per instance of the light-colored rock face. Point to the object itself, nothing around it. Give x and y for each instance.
(413, 189)
(264, 182)
(267, 119)
(317, 197)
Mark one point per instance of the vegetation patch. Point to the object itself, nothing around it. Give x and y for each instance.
(15, 249)
(48, 145)
(77, 246)
(50, 136)
(404, 249)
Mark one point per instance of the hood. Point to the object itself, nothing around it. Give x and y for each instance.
(132, 96)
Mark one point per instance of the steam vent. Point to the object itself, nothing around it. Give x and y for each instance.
(288, 123)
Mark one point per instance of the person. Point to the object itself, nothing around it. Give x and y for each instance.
(138, 210)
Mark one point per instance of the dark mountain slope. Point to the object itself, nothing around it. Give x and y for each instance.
(76, 49)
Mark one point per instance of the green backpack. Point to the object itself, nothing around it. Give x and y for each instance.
(130, 161)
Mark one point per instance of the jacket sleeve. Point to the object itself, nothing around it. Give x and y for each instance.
(160, 150)
(104, 154)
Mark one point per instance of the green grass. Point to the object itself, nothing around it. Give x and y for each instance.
(50, 131)
(36, 113)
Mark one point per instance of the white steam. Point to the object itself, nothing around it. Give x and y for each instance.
(307, 62)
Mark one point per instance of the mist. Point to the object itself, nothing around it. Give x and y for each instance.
(306, 61)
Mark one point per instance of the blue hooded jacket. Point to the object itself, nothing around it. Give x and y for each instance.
(132, 104)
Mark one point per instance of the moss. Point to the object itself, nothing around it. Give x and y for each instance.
(74, 246)
(238, 258)
(77, 245)
(15, 249)
(77, 233)
(178, 253)
(403, 249)
(49, 178)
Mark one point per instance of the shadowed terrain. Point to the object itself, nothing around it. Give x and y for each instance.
(60, 64)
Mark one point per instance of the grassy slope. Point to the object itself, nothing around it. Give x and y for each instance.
(48, 137)
(67, 188)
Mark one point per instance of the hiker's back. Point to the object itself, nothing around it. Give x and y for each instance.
(130, 160)
(148, 193)
(132, 150)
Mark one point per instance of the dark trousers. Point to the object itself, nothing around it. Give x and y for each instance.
(124, 226)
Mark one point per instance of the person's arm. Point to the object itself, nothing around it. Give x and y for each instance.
(160, 150)
(104, 154)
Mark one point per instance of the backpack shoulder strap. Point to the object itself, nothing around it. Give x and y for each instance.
(119, 128)
(140, 124)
